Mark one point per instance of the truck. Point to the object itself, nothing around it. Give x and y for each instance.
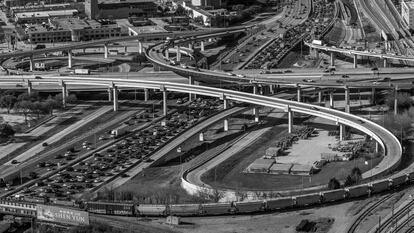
(115, 133)
(81, 71)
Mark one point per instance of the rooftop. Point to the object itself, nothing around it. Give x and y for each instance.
(124, 1)
(410, 4)
(67, 24)
(40, 6)
(45, 14)
(148, 29)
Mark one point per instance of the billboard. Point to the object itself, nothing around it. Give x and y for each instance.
(62, 215)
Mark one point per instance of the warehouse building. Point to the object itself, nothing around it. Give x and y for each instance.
(70, 29)
(260, 165)
(407, 13)
(43, 16)
(120, 9)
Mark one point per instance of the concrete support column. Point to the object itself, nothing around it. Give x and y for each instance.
(385, 63)
(64, 93)
(126, 49)
(190, 45)
(299, 95)
(31, 63)
(225, 106)
(372, 100)
(202, 46)
(255, 109)
(355, 61)
(105, 51)
(109, 94)
(316, 54)
(178, 54)
(395, 101)
(376, 147)
(342, 132)
(272, 91)
(190, 82)
(290, 120)
(145, 94)
(332, 59)
(167, 54)
(139, 47)
(164, 100)
(84, 50)
(115, 97)
(331, 100)
(70, 59)
(347, 107)
(29, 87)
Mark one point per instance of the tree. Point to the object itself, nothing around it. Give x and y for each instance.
(6, 130)
(24, 107)
(356, 175)
(348, 181)
(403, 101)
(333, 184)
(8, 102)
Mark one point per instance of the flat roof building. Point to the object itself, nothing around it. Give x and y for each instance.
(43, 16)
(118, 9)
(407, 13)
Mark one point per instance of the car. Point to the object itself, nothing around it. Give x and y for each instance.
(308, 80)
(240, 75)
(361, 121)
(340, 81)
(314, 108)
(230, 74)
(345, 76)
(374, 69)
(288, 71)
(14, 161)
(386, 79)
(38, 77)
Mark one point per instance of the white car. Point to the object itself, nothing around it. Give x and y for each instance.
(240, 75)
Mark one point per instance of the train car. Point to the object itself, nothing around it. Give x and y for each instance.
(250, 206)
(151, 210)
(279, 203)
(185, 209)
(111, 208)
(333, 195)
(358, 190)
(399, 180)
(307, 199)
(217, 208)
(18, 208)
(380, 186)
(411, 176)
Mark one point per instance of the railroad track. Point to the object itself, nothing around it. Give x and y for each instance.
(404, 224)
(366, 212)
(396, 216)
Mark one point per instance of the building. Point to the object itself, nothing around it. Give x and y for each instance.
(34, 8)
(43, 16)
(209, 3)
(119, 9)
(407, 13)
(196, 12)
(70, 29)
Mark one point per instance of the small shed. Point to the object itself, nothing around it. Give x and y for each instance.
(261, 165)
(280, 168)
(173, 220)
(301, 169)
(330, 157)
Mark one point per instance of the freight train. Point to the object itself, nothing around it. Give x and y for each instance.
(208, 209)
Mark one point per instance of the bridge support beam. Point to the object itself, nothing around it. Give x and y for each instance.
(320, 96)
(167, 54)
(190, 45)
(225, 106)
(70, 59)
(109, 94)
(29, 87)
(105, 51)
(255, 109)
(178, 54)
(372, 100)
(347, 107)
(395, 100)
(271, 90)
(331, 99)
(115, 97)
(299, 93)
(385, 62)
(202, 46)
(355, 61)
(146, 94)
(191, 82)
(342, 131)
(31, 64)
(332, 59)
(290, 120)
(376, 147)
(64, 93)
(125, 49)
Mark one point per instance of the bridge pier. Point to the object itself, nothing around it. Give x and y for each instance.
(320, 96)
(64, 93)
(125, 49)
(376, 147)
(164, 101)
(70, 59)
(29, 87)
(167, 54)
(202, 46)
(109, 94)
(190, 45)
(395, 100)
(31, 64)
(342, 131)
(225, 106)
(299, 93)
(372, 96)
(355, 61)
(146, 94)
(139, 47)
(191, 96)
(385, 62)
(255, 109)
(271, 90)
(178, 57)
(332, 59)
(290, 119)
(347, 107)
(105, 51)
(331, 100)
(115, 97)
